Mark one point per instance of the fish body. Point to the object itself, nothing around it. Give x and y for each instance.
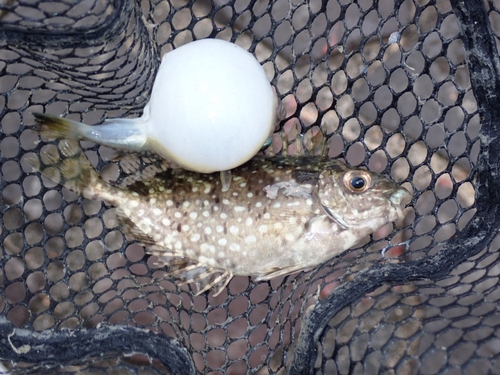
(280, 215)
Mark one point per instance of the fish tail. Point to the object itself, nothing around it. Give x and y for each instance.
(67, 165)
(55, 127)
(121, 134)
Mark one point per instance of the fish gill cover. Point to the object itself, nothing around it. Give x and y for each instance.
(404, 88)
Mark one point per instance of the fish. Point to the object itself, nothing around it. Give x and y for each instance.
(280, 215)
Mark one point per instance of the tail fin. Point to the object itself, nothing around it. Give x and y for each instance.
(54, 127)
(68, 166)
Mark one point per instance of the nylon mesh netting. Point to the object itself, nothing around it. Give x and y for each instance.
(405, 88)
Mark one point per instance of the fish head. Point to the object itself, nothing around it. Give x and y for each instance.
(357, 197)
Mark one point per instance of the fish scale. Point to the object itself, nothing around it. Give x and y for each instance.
(278, 216)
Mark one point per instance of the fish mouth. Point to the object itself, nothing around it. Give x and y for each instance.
(401, 197)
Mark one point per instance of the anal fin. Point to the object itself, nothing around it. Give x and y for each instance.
(189, 271)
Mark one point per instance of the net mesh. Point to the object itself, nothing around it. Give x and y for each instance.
(405, 88)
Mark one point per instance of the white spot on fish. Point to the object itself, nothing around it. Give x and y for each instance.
(157, 211)
(152, 201)
(186, 204)
(165, 221)
(223, 216)
(206, 213)
(239, 208)
(225, 201)
(208, 230)
(207, 188)
(178, 215)
(185, 228)
(309, 202)
(178, 245)
(243, 184)
(278, 226)
(251, 239)
(258, 204)
(194, 189)
(205, 247)
(249, 195)
(219, 228)
(267, 215)
(195, 237)
(234, 247)
(221, 254)
(170, 203)
(134, 203)
(193, 215)
(249, 221)
(277, 205)
(263, 228)
(233, 229)
(222, 242)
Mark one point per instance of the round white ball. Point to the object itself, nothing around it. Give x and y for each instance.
(211, 108)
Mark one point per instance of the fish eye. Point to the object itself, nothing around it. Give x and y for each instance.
(357, 181)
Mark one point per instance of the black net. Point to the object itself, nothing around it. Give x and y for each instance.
(405, 88)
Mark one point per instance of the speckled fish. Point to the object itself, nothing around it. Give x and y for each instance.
(280, 215)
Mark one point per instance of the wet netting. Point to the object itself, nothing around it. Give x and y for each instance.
(405, 88)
